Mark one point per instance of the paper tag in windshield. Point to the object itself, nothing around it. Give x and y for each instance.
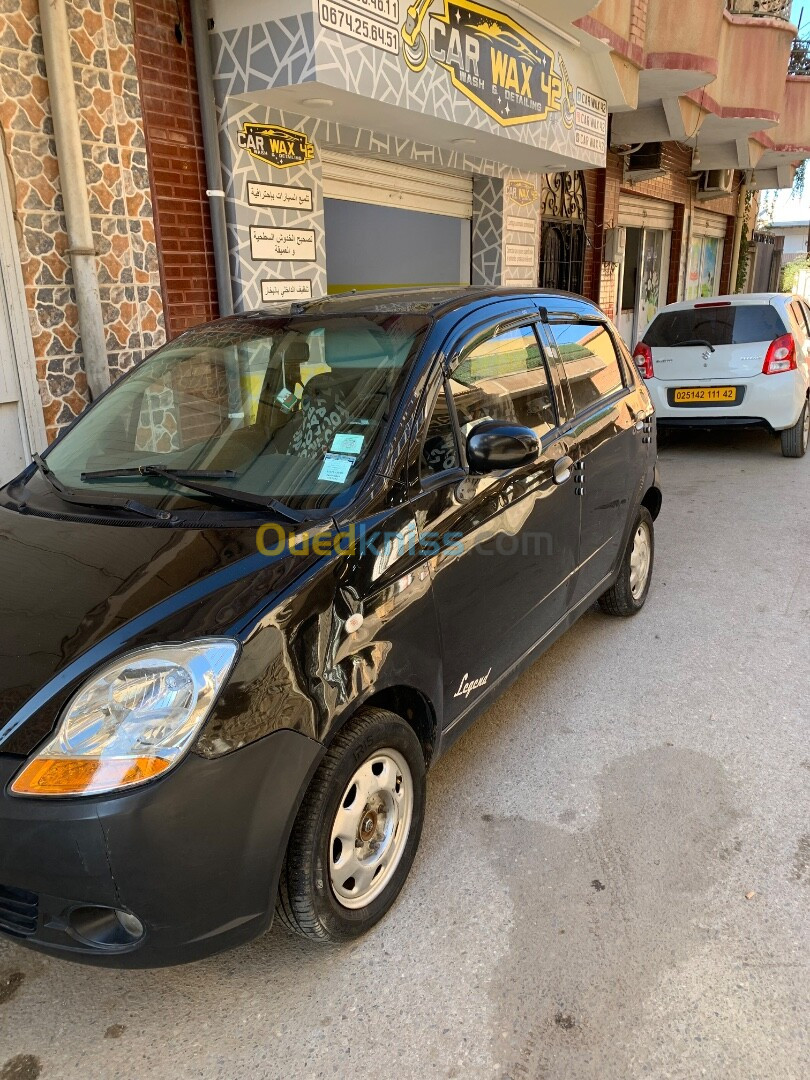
(335, 468)
(347, 444)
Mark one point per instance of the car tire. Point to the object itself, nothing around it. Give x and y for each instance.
(796, 438)
(334, 889)
(627, 595)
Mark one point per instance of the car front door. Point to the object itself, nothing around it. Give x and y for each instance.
(609, 423)
(502, 546)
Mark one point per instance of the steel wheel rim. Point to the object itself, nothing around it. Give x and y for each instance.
(370, 829)
(640, 557)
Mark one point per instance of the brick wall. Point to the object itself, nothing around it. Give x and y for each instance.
(173, 128)
(638, 23)
(594, 198)
(118, 188)
(675, 187)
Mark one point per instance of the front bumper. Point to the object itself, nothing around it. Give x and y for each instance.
(772, 400)
(195, 856)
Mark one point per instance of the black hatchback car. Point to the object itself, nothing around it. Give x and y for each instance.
(269, 577)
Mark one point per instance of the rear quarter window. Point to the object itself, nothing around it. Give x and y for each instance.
(591, 365)
(738, 324)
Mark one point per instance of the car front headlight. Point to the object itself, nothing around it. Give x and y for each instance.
(132, 721)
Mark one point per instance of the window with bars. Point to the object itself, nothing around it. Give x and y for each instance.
(562, 242)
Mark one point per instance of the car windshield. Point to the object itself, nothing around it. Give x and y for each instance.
(732, 324)
(287, 408)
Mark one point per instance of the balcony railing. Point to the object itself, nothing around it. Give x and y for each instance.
(772, 9)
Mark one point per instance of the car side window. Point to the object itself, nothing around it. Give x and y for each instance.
(805, 310)
(440, 448)
(504, 377)
(588, 356)
(800, 319)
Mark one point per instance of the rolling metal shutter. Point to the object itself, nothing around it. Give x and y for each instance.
(638, 212)
(390, 183)
(705, 223)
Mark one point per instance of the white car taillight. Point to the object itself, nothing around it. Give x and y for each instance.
(644, 360)
(781, 356)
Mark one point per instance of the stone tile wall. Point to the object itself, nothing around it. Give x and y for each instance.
(118, 182)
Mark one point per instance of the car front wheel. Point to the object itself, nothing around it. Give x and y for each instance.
(796, 438)
(627, 595)
(357, 831)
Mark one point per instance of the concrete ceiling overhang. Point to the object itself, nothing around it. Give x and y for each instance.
(676, 119)
(339, 106)
(768, 179)
(656, 84)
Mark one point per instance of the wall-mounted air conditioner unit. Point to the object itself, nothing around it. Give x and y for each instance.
(645, 164)
(715, 184)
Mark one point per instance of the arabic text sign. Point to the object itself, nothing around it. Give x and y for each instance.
(282, 245)
(520, 224)
(496, 63)
(518, 254)
(286, 289)
(280, 196)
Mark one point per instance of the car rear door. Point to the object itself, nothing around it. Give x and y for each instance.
(502, 547)
(610, 421)
(800, 317)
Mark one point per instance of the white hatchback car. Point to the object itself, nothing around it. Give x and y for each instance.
(732, 360)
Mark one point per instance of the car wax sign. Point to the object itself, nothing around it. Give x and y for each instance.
(496, 63)
(278, 146)
(522, 192)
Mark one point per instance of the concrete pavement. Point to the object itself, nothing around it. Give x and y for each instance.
(614, 879)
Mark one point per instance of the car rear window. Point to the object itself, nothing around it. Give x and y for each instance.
(737, 324)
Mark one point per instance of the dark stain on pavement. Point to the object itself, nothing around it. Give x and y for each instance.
(801, 860)
(9, 985)
(569, 1005)
(21, 1067)
(115, 1031)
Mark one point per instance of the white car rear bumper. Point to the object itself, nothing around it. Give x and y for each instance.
(775, 399)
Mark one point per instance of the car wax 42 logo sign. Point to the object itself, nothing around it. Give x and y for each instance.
(491, 59)
(278, 146)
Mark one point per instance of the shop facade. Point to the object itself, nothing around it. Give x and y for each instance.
(673, 245)
(364, 150)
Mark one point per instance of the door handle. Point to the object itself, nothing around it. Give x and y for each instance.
(562, 469)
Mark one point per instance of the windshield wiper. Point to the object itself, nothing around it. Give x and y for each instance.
(75, 497)
(159, 470)
(694, 341)
(189, 478)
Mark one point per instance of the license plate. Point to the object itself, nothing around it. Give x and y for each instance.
(722, 394)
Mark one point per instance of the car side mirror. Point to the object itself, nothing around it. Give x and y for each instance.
(496, 444)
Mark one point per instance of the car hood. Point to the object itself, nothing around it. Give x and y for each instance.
(75, 593)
